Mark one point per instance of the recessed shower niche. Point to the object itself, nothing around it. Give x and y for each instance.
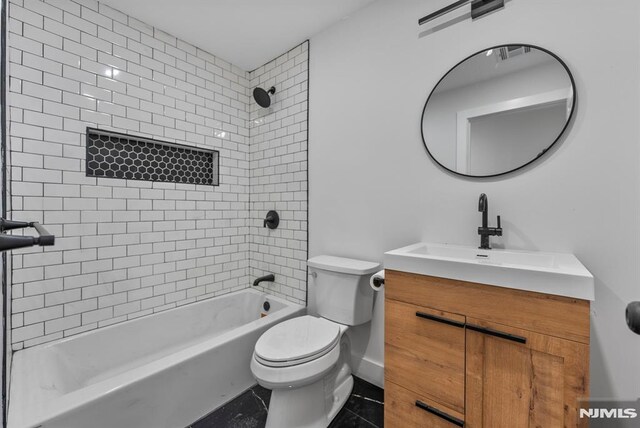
(115, 155)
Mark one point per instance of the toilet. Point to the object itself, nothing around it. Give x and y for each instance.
(305, 361)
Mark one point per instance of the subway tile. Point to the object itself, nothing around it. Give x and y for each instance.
(42, 119)
(60, 29)
(114, 14)
(81, 329)
(180, 242)
(95, 117)
(26, 16)
(40, 91)
(41, 259)
(22, 44)
(82, 101)
(60, 110)
(42, 36)
(111, 108)
(92, 16)
(79, 76)
(62, 297)
(129, 78)
(82, 50)
(126, 100)
(111, 84)
(62, 83)
(98, 290)
(60, 56)
(126, 308)
(129, 32)
(26, 304)
(112, 300)
(80, 306)
(28, 332)
(61, 324)
(97, 315)
(43, 314)
(95, 92)
(73, 20)
(25, 102)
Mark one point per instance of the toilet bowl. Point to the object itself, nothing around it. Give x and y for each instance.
(305, 361)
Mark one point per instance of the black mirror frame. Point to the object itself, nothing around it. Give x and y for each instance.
(560, 134)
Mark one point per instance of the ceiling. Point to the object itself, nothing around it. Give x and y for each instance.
(247, 33)
(481, 67)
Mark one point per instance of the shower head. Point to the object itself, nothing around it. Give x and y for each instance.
(262, 97)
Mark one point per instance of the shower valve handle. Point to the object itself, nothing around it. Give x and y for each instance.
(272, 220)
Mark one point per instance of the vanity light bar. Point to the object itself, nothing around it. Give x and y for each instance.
(444, 10)
(478, 9)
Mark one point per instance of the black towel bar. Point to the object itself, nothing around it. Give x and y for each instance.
(11, 242)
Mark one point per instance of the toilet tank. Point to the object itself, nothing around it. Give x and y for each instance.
(342, 288)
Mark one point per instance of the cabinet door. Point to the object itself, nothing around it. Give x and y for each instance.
(424, 352)
(406, 409)
(519, 379)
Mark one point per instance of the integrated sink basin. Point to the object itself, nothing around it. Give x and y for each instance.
(550, 273)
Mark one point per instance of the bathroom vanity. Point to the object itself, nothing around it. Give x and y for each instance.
(492, 353)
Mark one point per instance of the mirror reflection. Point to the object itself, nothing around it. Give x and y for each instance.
(498, 110)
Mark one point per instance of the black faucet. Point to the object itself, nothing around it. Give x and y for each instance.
(271, 277)
(485, 231)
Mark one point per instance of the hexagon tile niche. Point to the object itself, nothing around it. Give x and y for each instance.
(115, 155)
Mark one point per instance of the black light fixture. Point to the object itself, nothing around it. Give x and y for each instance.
(262, 97)
(478, 9)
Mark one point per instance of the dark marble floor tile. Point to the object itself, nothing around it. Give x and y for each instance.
(347, 419)
(262, 393)
(248, 410)
(364, 409)
(366, 389)
(367, 401)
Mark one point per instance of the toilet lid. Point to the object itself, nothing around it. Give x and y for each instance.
(297, 340)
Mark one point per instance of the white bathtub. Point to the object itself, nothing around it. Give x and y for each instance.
(161, 371)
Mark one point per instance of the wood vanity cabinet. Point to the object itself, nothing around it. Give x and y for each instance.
(479, 356)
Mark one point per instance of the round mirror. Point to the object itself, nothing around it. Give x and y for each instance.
(498, 110)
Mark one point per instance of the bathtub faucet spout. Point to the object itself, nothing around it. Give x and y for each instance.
(271, 277)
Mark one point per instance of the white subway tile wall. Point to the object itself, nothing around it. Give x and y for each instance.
(278, 174)
(125, 248)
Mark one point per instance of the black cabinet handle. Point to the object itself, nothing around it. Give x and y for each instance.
(440, 319)
(497, 333)
(11, 242)
(439, 413)
(477, 328)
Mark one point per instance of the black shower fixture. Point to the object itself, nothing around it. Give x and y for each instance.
(262, 97)
(272, 220)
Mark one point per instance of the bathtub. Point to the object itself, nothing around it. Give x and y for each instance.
(161, 371)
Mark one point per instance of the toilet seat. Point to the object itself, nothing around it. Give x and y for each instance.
(297, 341)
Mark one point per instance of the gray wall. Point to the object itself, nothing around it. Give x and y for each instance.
(507, 140)
(373, 187)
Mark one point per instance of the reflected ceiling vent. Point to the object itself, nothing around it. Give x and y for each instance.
(506, 52)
